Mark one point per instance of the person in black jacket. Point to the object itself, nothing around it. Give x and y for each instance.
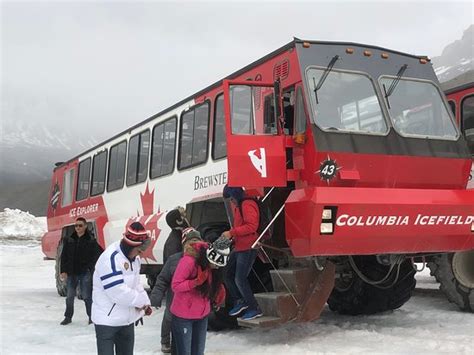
(163, 286)
(177, 221)
(79, 255)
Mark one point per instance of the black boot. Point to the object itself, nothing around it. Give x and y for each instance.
(66, 321)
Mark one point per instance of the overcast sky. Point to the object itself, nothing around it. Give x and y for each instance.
(107, 65)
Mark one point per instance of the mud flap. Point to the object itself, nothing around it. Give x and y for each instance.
(317, 294)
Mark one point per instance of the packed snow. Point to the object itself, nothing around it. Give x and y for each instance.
(31, 311)
(18, 227)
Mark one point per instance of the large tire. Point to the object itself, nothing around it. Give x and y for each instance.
(263, 283)
(61, 286)
(355, 297)
(455, 273)
(220, 320)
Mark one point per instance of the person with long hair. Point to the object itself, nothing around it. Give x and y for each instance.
(198, 286)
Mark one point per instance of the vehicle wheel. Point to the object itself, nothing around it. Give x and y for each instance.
(351, 295)
(220, 320)
(61, 286)
(455, 273)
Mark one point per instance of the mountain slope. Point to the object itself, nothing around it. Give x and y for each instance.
(457, 57)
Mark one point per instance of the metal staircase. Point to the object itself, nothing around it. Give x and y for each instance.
(300, 295)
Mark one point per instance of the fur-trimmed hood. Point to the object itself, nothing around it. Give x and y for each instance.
(193, 248)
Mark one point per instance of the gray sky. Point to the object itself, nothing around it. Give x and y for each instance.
(111, 64)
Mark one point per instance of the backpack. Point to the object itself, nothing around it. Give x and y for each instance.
(265, 216)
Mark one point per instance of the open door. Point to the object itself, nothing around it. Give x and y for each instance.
(255, 143)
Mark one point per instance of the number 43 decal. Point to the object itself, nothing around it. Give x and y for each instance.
(328, 169)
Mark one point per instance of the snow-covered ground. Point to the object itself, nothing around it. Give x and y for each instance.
(31, 310)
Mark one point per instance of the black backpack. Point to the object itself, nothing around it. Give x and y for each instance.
(265, 216)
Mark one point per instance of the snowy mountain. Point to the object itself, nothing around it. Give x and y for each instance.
(457, 57)
(35, 132)
(34, 135)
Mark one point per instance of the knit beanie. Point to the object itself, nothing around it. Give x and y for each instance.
(136, 236)
(175, 219)
(189, 234)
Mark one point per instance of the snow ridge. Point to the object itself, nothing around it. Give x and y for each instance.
(18, 227)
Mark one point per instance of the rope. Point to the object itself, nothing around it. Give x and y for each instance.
(259, 280)
(281, 250)
(268, 226)
(281, 278)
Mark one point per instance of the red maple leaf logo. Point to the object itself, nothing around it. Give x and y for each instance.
(149, 220)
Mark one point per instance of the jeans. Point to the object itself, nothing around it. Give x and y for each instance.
(238, 269)
(166, 327)
(85, 282)
(123, 338)
(189, 335)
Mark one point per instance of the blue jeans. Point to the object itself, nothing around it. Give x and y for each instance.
(189, 335)
(85, 282)
(108, 337)
(238, 269)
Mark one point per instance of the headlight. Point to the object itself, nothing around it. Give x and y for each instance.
(327, 214)
(326, 228)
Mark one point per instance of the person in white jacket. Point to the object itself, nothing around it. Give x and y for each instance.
(118, 297)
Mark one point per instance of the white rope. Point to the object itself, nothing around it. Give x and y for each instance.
(281, 278)
(268, 226)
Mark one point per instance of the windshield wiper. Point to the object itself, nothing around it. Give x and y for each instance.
(394, 83)
(323, 77)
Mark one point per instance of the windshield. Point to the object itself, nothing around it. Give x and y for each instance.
(417, 109)
(346, 102)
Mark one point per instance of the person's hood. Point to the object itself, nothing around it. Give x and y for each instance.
(193, 248)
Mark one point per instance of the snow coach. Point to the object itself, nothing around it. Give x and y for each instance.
(354, 149)
(455, 271)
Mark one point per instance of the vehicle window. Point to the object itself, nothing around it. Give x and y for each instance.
(467, 119)
(84, 176)
(345, 102)
(452, 104)
(416, 109)
(252, 110)
(300, 125)
(219, 147)
(99, 167)
(138, 150)
(194, 136)
(269, 126)
(117, 158)
(163, 148)
(68, 183)
(241, 105)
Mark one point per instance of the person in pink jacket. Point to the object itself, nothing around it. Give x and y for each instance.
(197, 285)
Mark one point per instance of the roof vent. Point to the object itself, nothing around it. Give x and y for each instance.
(281, 70)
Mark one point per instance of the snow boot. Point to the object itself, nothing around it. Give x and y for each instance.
(66, 321)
